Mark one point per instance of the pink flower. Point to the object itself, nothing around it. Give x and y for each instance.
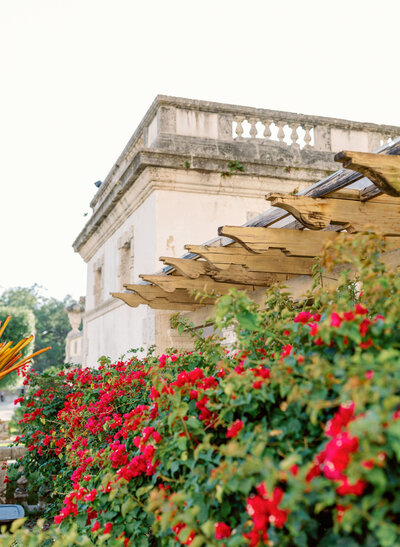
(222, 530)
(336, 320)
(369, 374)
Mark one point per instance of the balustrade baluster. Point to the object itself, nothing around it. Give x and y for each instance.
(239, 128)
(267, 130)
(294, 136)
(281, 133)
(307, 136)
(253, 129)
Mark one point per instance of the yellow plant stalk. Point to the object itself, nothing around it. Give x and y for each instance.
(11, 357)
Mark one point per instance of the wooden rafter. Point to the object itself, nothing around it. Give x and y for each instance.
(189, 267)
(382, 170)
(273, 261)
(135, 300)
(204, 283)
(179, 296)
(292, 242)
(237, 274)
(354, 215)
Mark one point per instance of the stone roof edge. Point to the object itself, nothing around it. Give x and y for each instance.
(238, 110)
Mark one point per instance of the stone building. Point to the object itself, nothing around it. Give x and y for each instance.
(190, 167)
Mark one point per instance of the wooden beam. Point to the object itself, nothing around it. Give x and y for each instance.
(239, 274)
(192, 268)
(188, 267)
(179, 296)
(273, 261)
(291, 242)
(354, 215)
(203, 283)
(135, 300)
(382, 170)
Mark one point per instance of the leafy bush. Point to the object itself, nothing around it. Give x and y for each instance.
(290, 438)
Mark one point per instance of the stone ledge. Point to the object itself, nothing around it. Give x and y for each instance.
(259, 160)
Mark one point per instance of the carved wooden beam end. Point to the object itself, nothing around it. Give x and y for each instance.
(383, 170)
(302, 208)
(129, 298)
(188, 267)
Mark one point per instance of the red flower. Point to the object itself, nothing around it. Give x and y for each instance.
(348, 316)
(234, 429)
(107, 528)
(286, 350)
(302, 317)
(154, 394)
(360, 310)
(92, 495)
(222, 530)
(367, 344)
(342, 417)
(368, 464)
(346, 488)
(257, 385)
(340, 511)
(294, 469)
(364, 326)
(95, 526)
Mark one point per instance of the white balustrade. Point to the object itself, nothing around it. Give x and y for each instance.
(287, 133)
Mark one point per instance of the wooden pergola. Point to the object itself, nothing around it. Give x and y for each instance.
(283, 242)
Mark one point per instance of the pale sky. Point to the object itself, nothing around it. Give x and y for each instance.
(77, 76)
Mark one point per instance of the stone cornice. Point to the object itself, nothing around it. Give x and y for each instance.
(273, 165)
(224, 110)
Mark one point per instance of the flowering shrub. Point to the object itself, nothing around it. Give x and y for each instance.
(290, 438)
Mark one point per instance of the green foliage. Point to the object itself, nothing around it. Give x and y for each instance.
(22, 324)
(51, 322)
(291, 438)
(234, 167)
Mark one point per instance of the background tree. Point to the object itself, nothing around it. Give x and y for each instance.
(50, 321)
(22, 324)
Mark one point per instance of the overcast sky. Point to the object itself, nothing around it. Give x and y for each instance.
(77, 76)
